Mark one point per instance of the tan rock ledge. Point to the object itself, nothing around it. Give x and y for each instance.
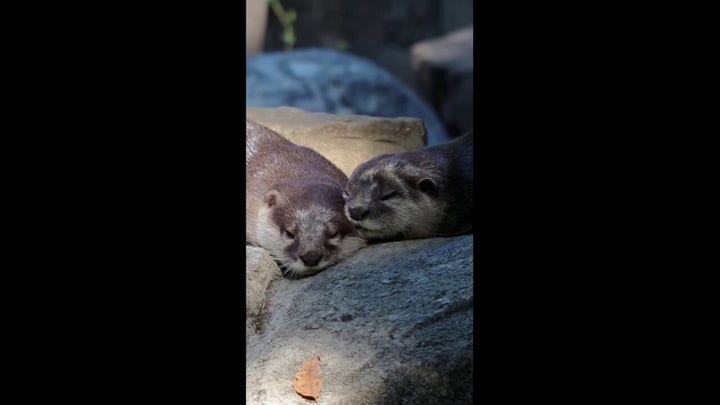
(345, 140)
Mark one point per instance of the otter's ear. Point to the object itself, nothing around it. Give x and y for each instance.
(427, 186)
(272, 198)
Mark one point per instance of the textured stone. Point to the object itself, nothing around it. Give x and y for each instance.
(260, 270)
(444, 72)
(324, 80)
(453, 50)
(346, 140)
(392, 324)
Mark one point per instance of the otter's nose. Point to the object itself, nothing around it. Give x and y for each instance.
(311, 258)
(357, 213)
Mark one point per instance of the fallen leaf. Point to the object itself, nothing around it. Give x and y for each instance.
(307, 380)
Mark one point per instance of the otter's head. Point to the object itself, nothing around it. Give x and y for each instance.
(309, 231)
(388, 198)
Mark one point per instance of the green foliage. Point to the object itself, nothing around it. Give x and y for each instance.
(286, 18)
(341, 45)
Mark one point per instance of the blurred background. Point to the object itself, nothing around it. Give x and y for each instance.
(426, 46)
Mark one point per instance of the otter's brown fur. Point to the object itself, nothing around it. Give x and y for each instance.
(417, 194)
(294, 204)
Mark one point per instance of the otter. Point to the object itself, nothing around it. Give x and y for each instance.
(294, 206)
(412, 195)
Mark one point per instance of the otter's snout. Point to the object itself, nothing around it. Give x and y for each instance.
(358, 213)
(311, 258)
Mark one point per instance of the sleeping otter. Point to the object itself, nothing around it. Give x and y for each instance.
(295, 204)
(417, 194)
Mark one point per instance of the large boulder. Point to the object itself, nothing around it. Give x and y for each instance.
(345, 140)
(325, 80)
(391, 324)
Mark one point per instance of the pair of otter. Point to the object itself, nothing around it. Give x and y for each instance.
(309, 216)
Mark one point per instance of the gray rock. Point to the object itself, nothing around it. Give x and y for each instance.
(260, 270)
(444, 72)
(324, 80)
(392, 324)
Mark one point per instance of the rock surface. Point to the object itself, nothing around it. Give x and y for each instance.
(260, 270)
(324, 80)
(392, 324)
(347, 140)
(444, 71)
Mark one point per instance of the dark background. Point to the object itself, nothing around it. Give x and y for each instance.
(379, 30)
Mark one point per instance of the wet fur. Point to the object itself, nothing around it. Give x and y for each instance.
(294, 203)
(417, 194)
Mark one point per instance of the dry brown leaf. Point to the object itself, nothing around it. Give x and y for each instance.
(307, 380)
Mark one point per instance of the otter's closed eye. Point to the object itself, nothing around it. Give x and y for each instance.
(334, 235)
(287, 234)
(388, 195)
